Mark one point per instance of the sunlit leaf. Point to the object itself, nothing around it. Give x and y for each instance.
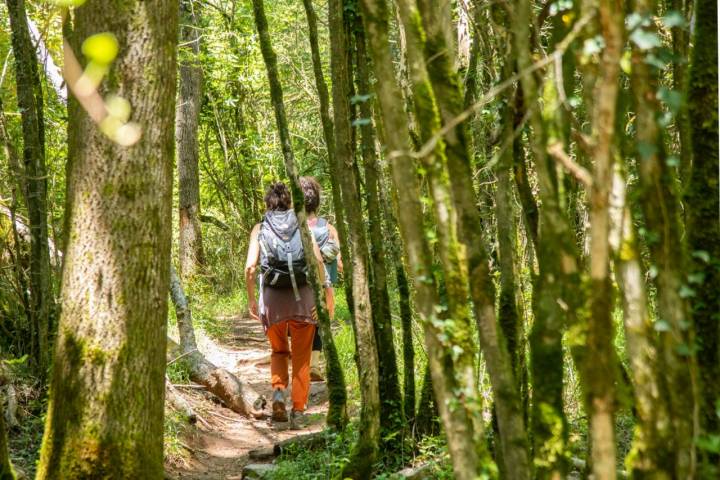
(673, 19)
(118, 107)
(101, 48)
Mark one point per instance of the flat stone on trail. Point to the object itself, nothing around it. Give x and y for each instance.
(257, 470)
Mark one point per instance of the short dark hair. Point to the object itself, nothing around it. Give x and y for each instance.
(278, 197)
(311, 190)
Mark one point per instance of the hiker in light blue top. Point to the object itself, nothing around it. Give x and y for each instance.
(327, 239)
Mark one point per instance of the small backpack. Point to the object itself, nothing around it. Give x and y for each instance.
(329, 248)
(282, 260)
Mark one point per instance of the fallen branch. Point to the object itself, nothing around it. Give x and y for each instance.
(178, 402)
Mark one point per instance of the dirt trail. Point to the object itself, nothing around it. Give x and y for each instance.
(217, 447)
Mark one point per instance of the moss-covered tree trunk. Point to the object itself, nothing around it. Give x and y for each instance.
(661, 214)
(190, 245)
(391, 401)
(556, 294)
(449, 339)
(365, 450)
(703, 225)
(34, 179)
(6, 469)
(446, 86)
(337, 410)
(105, 416)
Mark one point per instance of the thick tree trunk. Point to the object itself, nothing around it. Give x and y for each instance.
(703, 227)
(30, 102)
(365, 450)
(661, 212)
(337, 411)
(446, 86)
(190, 251)
(448, 374)
(391, 405)
(105, 416)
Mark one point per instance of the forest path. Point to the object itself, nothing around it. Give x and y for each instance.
(217, 446)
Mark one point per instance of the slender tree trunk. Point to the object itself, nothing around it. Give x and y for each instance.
(703, 226)
(391, 405)
(105, 416)
(661, 212)
(30, 102)
(448, 374)
(446, 86)
(190, 243)
(601, 371)
(365, 450)
(329, 136)
(651, 452)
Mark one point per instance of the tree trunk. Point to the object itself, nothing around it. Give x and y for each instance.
(446, 86)
(6, 469)
(556, 296)
(703, 228)
(661, 212)
(651, 451)
(449, 375)
(190, 243)
(30, 102)
(337, 412)
(105, 416)
(391, 406)
(365, 450)
(600, 369)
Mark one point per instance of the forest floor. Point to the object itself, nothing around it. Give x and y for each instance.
(217, 446)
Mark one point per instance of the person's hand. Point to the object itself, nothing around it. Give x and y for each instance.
(253, 309)
(330, 301)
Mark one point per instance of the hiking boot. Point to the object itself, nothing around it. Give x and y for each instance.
(279, 413)
(316, 374)
(298, 420)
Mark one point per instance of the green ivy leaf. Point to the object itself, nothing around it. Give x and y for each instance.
(645, 40)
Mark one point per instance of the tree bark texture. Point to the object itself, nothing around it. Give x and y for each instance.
(391, 404)
(190, 254)
(448, 378)
(6, 469)
(446, 86)
(600, 368)
(337, 410)
(703, 227)
(34, 178)
(105, 416)
(365, 450)
(661, 212)
(556, 297)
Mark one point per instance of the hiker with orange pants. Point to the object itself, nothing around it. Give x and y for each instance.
(286, 301)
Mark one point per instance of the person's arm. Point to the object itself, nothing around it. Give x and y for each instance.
(329, 292)
(334, 235)
(253, 256)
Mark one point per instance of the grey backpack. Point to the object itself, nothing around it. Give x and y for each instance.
(282, 260)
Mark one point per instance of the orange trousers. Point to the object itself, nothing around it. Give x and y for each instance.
(301, 336)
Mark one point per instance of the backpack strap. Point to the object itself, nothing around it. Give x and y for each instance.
(292, 277)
